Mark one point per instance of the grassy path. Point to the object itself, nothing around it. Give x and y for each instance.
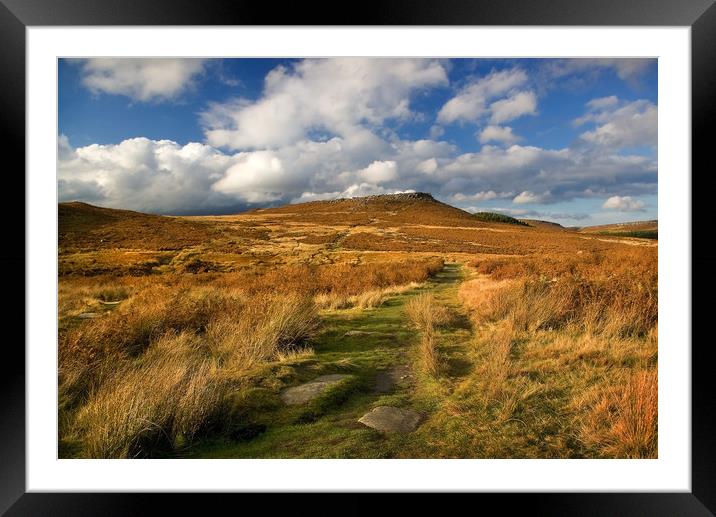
(366, 344)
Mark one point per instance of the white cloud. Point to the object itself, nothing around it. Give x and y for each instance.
(323, 128)
(165, 177)
(436, 131)
(603, 102)
(633, 124)
(380, 172)
(257, 177)
(142, 79)
(530, 197)
(565, 173)
(627, 69)
(470, 104)
(342, 96)
(143, 174)
(623, 204)
(485, 195)
(498, 134)
(519, 104)
(428, 166)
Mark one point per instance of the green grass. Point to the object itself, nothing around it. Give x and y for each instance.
(328, 427)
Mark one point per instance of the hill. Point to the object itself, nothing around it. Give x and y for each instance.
(638, 229)
(547, 225)
(382, 210)
(84, 226)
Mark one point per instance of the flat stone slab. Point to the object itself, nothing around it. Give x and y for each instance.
(309, 391)
(391, 419)
(88, 315)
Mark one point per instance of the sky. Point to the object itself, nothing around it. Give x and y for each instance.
(572, 141)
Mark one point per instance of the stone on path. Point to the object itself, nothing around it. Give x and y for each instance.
(391, 419)
(309, 391)
(386, 380)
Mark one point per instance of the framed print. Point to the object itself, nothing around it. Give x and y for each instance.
(444, 249)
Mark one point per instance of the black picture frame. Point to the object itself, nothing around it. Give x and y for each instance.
(16, 15)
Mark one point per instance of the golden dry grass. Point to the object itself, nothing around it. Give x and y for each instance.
(622, 419)
(426, 315)
(564, 323)
(160, 368)
(584, 325)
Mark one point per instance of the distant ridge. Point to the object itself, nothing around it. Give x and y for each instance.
(402, 196)
(650, 224)
(639, 229)
(404, 208)
(539, 223)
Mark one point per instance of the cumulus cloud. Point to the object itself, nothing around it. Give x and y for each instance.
(627, 69)
(527, 196)
(257, 177)
(342, 96)
(498, 134)
(148, 175)
(487, 195)
(325, 128)
(471, 102)
(519, 104)
(629, 125)
(565, 173)
(603, 103)
(623, 204)
(428, 166)
(165, 177)
(141, 79)
(380, 172)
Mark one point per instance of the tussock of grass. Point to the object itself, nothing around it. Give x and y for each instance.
(172, 395)
(618, 307)
(426, 315)
(157, 372)
(261, 329)
(366, 300)
(621, 419)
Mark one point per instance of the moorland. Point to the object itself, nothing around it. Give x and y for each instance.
(273, 333)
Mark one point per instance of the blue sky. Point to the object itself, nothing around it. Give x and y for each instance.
(571, 141)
